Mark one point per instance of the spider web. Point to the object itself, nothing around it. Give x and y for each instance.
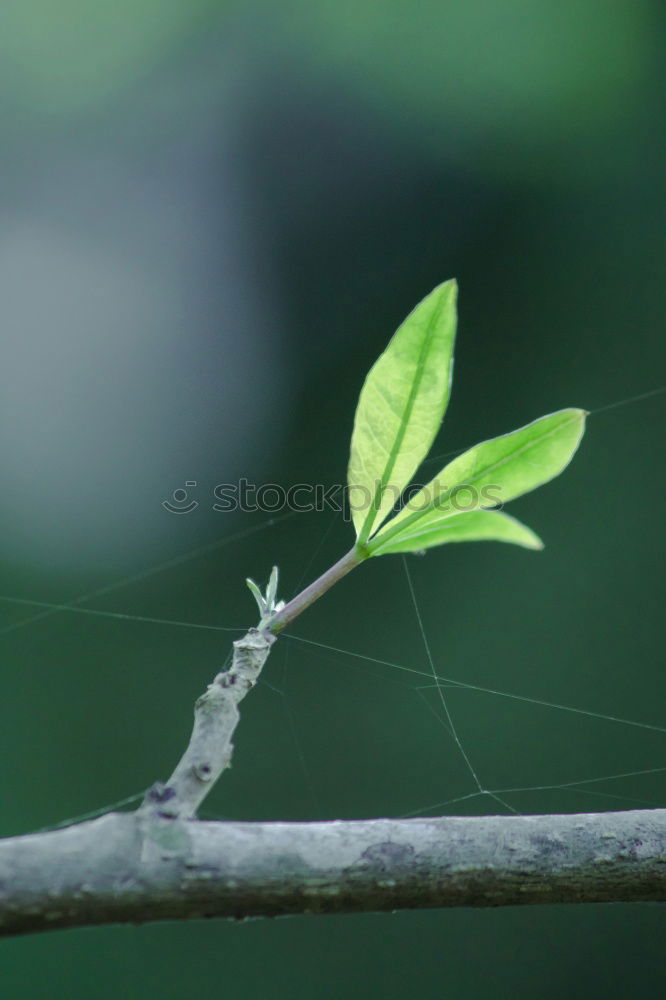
(437, 698)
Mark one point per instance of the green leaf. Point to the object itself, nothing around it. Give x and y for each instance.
(494, 471)
(271, 589)
(476, 526)
(401, 407)
(258, 596)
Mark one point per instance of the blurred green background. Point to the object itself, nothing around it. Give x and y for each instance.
(214, 215)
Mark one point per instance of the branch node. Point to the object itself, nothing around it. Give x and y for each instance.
(215, 719)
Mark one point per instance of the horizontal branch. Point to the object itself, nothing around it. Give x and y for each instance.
(143, 866)
(159, 863)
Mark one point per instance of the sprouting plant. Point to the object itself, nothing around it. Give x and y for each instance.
(240, 869)
(267, 603)
(400, 409)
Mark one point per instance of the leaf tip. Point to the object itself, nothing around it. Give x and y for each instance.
(532, 541)
(450, 286)
(580, 412)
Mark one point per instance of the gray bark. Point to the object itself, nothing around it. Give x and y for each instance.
(215, 719)
(136, 867)
(160, 863)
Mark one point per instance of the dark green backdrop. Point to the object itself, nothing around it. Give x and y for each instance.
(215, 216)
